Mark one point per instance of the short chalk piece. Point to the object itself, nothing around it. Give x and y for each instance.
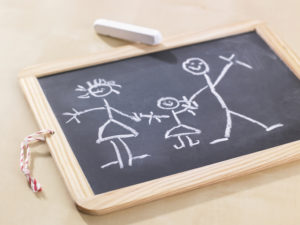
(128, 31)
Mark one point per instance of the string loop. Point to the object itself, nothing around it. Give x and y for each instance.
(25, 160)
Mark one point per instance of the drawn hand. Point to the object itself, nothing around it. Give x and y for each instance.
(189, 105)
(73, 115)
(136, 118)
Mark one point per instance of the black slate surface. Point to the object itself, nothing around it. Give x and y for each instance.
(269, 93)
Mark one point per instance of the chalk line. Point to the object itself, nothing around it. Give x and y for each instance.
(181, 142)
(249, 119)
(151, 116)
(274, 126)
(78, 113)
(218, 140)
(243, 64)
(191, 143)
(141, 156)
(118, 154)
(109, 164)
(223, 73)
(223, 105)
(128, 152)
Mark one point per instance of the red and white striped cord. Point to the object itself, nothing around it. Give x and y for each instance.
(25, 161)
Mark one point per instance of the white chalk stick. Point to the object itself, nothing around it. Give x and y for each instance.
(128, 32)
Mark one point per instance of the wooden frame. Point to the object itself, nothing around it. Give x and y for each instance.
(107, 202)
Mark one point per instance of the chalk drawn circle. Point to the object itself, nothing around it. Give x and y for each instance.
(168, 103)
(195, 66)
(100, 90)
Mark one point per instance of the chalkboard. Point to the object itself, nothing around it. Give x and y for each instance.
(151, 116)
(137, 123)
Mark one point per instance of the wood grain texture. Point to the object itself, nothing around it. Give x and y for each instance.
(166, 186)
(286, 54)
(189, 180)
(137, 50)
(60, 148)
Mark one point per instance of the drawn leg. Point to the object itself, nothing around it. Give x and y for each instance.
(257, 122)
(191, 143)
(129, 153)
(182, 145)
(227, 129)
(119, 161)
(224, 106)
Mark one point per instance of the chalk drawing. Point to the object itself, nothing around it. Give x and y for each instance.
(101, 88)
(180, 130)
(151, 116)
(198, 67)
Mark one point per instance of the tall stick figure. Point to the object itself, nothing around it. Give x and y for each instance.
(198, 67)
(101, 88)
(180, 130)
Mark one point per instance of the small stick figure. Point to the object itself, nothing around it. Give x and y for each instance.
(181, 130)
(101, 88)
(198, 67)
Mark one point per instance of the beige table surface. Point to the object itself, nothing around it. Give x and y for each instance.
(36, 31)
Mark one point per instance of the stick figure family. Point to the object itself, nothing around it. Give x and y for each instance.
(185, 134)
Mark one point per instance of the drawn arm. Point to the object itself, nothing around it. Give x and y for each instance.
(151, 116)
(223, 73)
(76, 113)
(228, 66)
(197, 93)
(220, 77)
(135, 117)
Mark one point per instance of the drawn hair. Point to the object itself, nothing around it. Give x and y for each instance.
(96, 83)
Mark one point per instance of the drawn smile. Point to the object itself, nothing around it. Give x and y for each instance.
(99, 90)
(196, 67)
(169, 103)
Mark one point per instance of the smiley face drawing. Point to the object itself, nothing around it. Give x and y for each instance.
(195, 66)
(98, 88)
(179, 106)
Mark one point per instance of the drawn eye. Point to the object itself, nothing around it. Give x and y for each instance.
(100, 89)
(195, 66)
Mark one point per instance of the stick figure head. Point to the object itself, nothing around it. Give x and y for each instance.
(98, 88)
(168, 103)
(171, 103)
(195, 66)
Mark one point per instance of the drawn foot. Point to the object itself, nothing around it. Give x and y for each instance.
(182, 145)
(98, 141)
(178, 147)
(140, 156)
(112, 163)
(191, 143)
(274, 127)
(218, 140)
(136, 157)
